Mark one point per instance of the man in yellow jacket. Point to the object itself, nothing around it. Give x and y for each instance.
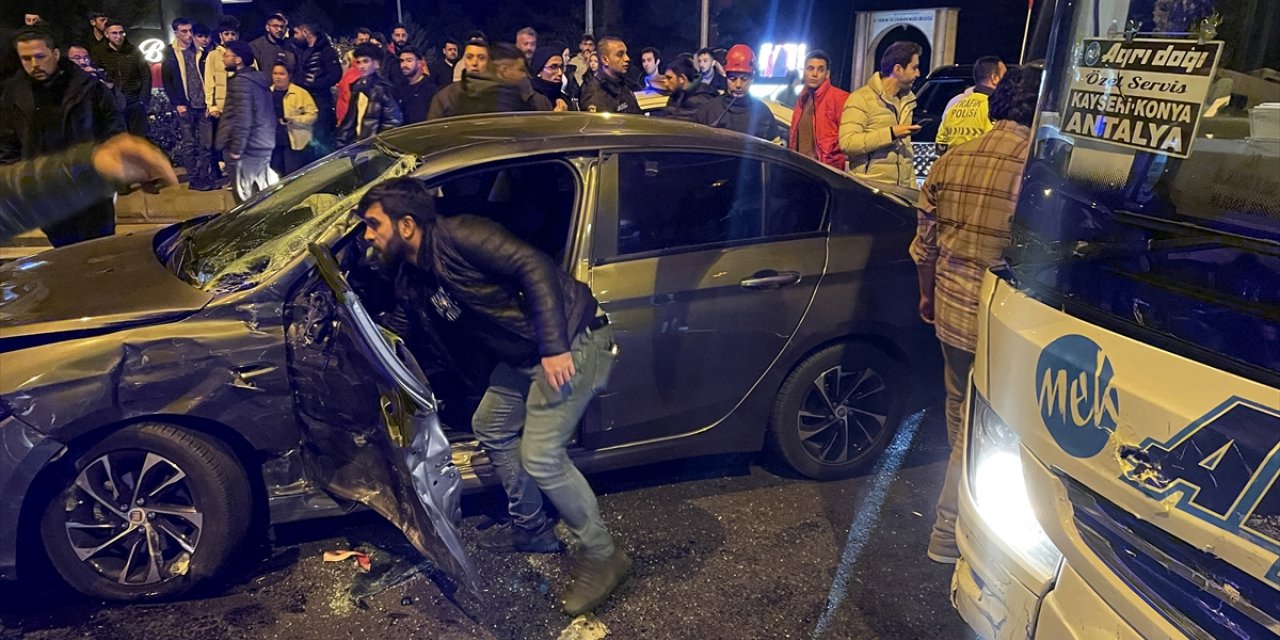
(966, 116)
(875, 126)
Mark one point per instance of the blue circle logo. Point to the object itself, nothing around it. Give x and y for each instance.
(1076, 394)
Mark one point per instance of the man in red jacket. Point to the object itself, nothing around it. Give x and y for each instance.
(815, 122)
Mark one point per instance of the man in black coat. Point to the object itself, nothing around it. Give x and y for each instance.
(417, 89)
(127, 70)
(548, 76)
(50, 107)
(503, 86)
(442, 69)
(318, 72)
(374, 107)
(612, 91)
(469, 276)
(274, 46)
(689, 95)
(247, 130)
(737, 110)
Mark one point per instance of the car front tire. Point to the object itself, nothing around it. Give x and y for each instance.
(838, 410)
(149, 513)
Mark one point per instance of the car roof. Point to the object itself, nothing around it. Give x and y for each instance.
(957, 71)
(552, 131)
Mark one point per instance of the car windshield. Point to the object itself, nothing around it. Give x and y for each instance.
(239, 248)
(1151, 203)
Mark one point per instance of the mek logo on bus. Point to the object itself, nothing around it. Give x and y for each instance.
(1076, 394)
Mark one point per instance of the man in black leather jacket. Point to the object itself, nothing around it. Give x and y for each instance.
(469, 277)
(374, 107)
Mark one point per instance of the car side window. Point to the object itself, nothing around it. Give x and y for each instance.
(676, 200)
(669, 200)
(796, 203)
(535, 201)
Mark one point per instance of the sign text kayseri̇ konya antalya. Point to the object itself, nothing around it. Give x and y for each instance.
(1144, 94)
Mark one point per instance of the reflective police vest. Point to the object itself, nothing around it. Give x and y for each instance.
(964, 121)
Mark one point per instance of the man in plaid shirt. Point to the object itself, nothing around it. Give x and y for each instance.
(965, 211)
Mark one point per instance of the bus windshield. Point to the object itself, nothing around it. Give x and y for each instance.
(1151, 202)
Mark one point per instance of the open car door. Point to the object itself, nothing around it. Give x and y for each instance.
(371, 431)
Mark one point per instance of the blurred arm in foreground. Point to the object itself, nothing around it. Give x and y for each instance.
(41, 191)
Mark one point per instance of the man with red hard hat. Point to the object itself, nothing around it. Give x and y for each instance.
(736, 109)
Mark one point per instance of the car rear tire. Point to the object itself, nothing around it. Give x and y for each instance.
(149, 513)
(838, 410)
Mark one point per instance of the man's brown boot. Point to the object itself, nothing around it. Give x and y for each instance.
(593, 580)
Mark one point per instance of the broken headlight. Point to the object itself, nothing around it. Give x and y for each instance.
(999, 489)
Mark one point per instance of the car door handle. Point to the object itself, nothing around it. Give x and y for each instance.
(770, 279)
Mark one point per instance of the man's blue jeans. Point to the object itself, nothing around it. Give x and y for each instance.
(526, 427)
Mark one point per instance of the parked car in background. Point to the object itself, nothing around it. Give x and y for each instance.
(165, 394)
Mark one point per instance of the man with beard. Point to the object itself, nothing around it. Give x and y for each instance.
(247, 133)
(318, 72)
(737, 110)
(579, 65)
(50, 107)
(373, 107)
(391, 58)
(548, 69)
(875, 125)
(527, 43)
(442, 69)
(129, 71)
(611, 92)
(689, 94)
(417, 90)
(555, 350)
(503, 86)
(274, 45)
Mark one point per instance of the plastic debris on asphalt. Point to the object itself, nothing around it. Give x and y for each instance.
(584, 627)
(362, 559)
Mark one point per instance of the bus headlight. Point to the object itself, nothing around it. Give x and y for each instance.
(1000, 491)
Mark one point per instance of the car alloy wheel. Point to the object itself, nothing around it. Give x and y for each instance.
(149, 512)
(837, 410)
(844, 413)
(131, 515)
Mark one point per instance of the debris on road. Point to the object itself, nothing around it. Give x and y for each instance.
(585, 627)
(362, 559)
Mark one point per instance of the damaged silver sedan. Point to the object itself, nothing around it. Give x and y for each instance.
(165, 395)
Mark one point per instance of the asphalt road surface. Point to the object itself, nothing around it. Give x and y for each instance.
(724, 547)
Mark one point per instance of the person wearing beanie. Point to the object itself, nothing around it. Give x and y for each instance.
(547, 69)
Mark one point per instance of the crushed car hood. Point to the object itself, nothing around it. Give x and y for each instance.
(90, 288)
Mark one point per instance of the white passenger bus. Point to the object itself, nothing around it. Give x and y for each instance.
(1123, 423)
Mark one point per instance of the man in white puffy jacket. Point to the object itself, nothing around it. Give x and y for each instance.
(875, 127)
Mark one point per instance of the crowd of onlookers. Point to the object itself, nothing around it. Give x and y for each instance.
(250, 110)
